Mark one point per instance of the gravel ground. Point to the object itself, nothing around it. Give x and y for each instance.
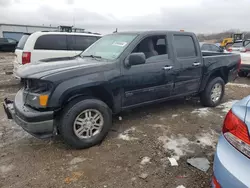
(135, 153)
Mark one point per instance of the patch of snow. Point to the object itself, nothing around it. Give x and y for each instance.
(145, 160)
(239, 85)
(6, 168)
(125, 134)
(180, 186)
(208, 139)
(179, 145)
(201, 112)
(77, 160)
(157, 126)
(163, 119)
(174, 115)
(227, 105)
(143, 175)
(172, 161)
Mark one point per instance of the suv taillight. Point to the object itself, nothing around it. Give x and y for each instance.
(26, 57)
(236, 133)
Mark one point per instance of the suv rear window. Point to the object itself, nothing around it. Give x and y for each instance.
(184, 46)
(80, 42)
(51, 42)
(22, 41)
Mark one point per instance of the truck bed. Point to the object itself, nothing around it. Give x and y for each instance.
(228, 62)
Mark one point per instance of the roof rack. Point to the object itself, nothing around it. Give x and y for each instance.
(71, 29)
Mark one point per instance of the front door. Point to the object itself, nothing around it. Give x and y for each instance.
(150, 81)
(189, 75)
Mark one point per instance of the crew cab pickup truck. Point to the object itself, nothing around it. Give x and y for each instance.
(77, 96)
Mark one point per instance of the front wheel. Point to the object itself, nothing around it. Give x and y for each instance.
(85, 123)
(213, 93)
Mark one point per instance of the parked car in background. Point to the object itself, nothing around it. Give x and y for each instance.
(7, 44)
(77, 96)
(236, 47)
(43, 45)
(243, 48)
(232, 158)
(210, 47)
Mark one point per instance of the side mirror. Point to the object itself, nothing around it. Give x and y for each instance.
(221, 49)
(136, 59)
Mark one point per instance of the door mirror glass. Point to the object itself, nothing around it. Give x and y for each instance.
(136, 59)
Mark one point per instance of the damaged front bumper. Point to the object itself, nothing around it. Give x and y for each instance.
(38, 123)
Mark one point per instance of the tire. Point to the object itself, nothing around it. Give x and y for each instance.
(206, 95)
(242, 74)
(67, 126)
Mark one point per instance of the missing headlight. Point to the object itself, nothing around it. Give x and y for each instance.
(37, 86)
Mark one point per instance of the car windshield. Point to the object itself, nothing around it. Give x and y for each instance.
(109, 47)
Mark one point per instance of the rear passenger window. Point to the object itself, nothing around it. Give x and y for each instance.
(80, 43)
(51, 42)
(205, 47)
(215, 48)
(184, 46)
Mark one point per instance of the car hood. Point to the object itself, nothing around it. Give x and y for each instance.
(49, 67)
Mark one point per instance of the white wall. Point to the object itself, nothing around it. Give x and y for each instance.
(1, 32)
(24, 29)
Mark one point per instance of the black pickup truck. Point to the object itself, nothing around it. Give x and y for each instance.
(76, 96)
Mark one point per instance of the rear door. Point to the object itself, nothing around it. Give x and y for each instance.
(188, 55)
(205, 47)
(214, 48)
(51, 46)
(79, 43)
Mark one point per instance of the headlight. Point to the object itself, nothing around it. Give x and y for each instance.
(36, 93)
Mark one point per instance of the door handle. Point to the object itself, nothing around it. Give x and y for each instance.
(167, 67)
(196, 64)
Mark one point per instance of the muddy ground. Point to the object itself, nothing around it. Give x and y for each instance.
(135, 153)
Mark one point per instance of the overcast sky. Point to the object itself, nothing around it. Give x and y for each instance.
(104, 16)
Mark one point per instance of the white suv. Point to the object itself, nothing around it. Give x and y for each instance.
(43, 45)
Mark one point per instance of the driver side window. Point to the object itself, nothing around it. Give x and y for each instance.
(152, 47)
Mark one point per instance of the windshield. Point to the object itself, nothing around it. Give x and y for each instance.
(109, 47)
(22, 42)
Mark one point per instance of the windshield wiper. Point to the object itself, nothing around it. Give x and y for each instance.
(93, 56)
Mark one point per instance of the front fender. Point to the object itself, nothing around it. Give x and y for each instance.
(74, 85)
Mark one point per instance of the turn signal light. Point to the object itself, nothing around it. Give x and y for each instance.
(43, 99)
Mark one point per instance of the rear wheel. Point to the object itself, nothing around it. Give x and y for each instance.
(85, 123)
(242, 74)
(213, 92)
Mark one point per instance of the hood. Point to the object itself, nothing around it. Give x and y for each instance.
(47, 67)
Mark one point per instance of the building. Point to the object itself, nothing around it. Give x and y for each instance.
(15, 31)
